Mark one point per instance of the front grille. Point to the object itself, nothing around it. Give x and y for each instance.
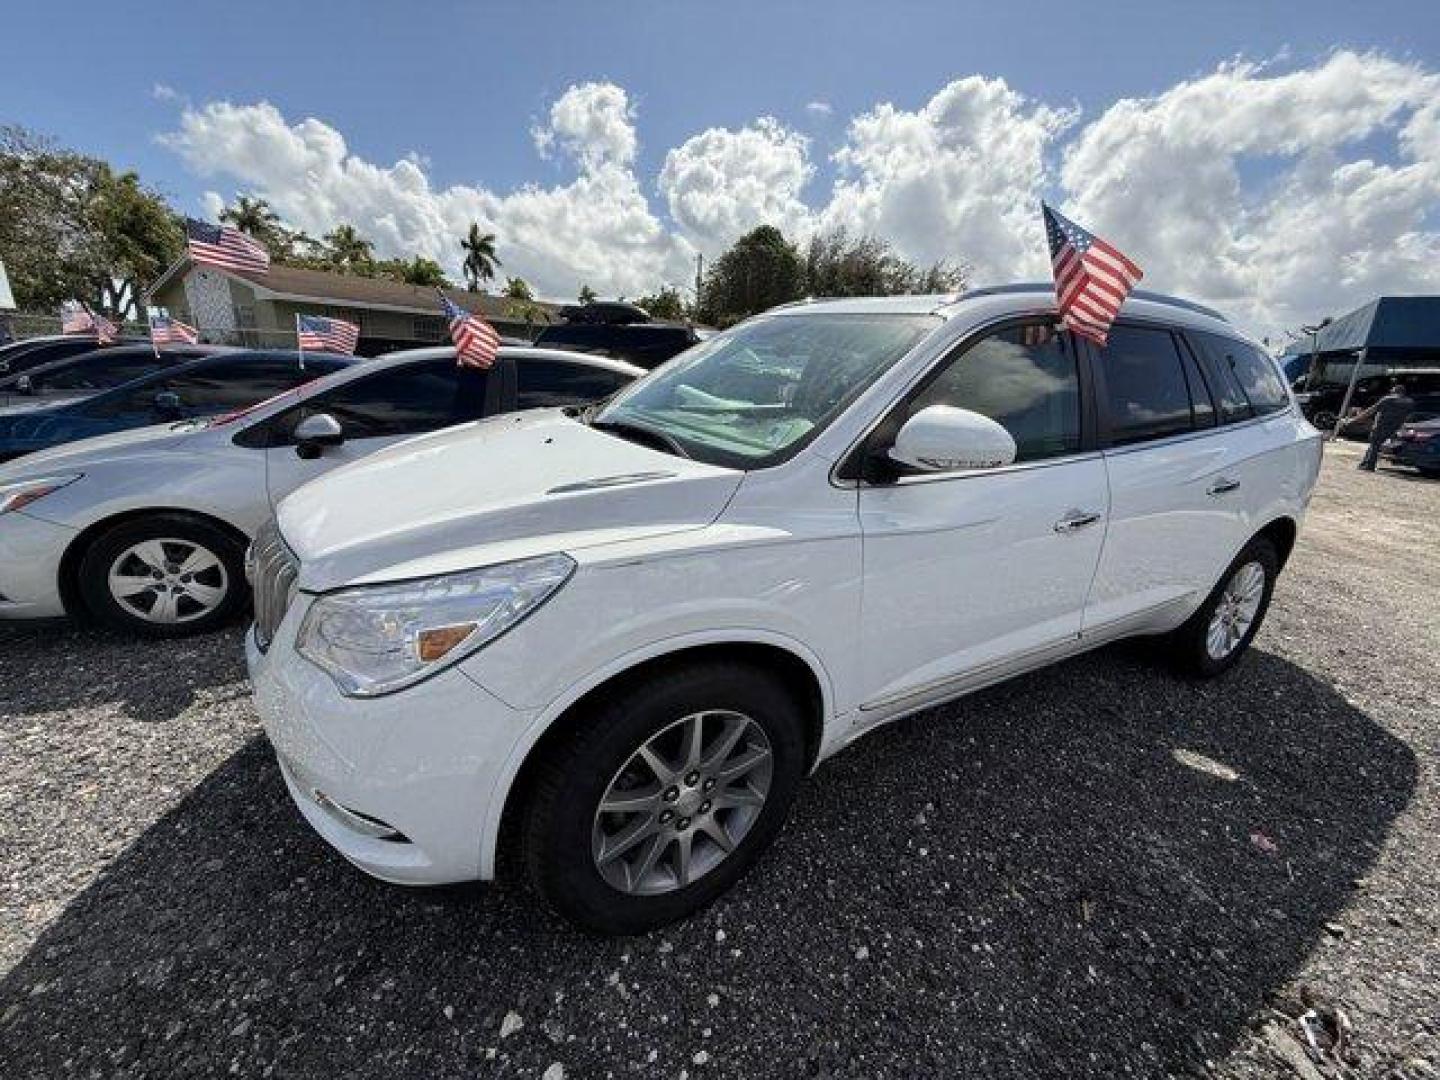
(273, 569)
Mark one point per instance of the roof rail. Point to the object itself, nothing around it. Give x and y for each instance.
(1137, 294)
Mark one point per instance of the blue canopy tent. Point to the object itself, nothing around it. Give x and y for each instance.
(1391, 335)
(1390, 332)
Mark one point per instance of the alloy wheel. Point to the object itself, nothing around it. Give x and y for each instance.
(682, 802)
(168, 580)
(1235, 611)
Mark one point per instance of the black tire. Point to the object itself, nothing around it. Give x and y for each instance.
(95, 565)
(1188, 649)
(561, 813)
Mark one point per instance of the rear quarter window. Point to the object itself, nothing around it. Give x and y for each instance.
(1244, 378)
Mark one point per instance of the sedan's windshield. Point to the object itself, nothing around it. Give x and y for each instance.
(753, 396)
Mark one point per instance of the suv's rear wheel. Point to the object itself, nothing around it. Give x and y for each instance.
(165, 575)
(1218, 634)
(664, 797)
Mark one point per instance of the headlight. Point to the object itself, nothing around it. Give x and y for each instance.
(375, 639)
(24, 492)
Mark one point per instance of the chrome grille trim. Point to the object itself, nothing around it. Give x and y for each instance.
(272, 568)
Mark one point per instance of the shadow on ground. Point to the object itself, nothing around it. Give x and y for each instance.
(1055, 877)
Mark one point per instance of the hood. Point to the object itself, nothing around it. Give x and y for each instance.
(16, 404)
(78, 454)
(490, 492)
(12, 402)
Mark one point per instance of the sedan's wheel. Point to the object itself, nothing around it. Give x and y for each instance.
(1222, 629)
(168, 580)
(163, 576)
(682, 803)
(666, 793)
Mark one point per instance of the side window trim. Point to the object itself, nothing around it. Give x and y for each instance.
(853, 466)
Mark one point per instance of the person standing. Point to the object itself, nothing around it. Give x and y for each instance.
(1386, 416)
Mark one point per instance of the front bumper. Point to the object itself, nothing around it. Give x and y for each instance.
(424, 762)
(30, 553)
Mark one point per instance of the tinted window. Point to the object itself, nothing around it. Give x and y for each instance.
(213, 387)
(404, 400)
(545, 383)
(102, 371)
(1024, 379)
(1252, 385)
(1146, 392)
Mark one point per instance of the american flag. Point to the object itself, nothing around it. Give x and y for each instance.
(77, 318)
(1092, 278)
(319, 334)
(476, 342)
(224, 247)
(74, 319)
(167, 331)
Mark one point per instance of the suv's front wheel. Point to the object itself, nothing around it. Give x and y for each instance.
(1216, 636)
(665, 796)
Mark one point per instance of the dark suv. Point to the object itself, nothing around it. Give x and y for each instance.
(618, 330)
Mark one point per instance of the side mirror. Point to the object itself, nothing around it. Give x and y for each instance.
(167, 403)
(23, 385)
(943, 438)
(316, 432)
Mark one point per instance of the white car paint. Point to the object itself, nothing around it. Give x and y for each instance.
(195, 466)
(895, 596)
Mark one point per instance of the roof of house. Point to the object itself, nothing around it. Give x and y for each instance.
(323, 286)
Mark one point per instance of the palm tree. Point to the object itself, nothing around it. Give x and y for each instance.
(587, 294)
(480, 258)
(252, 216)
(348, 249)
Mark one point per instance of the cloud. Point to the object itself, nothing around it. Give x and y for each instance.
(721, 183)
(593, 122)
(958, 179)
(597, 228)
(1277, 192)
(819, 108)
(1327, 228)
(162, 92)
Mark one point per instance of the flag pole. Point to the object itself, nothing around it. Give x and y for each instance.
(298, 347)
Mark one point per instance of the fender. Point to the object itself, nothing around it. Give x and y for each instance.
(542, 720)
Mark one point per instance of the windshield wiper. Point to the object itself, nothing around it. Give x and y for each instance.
(639, 433)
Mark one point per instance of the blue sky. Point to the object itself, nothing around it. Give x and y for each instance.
(462, 84)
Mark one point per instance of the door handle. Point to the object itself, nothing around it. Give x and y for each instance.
(1221, 486)
(1076, 519)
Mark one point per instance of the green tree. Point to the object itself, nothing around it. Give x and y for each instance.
(761, 270)
(587, 295)
(665, 304)
(70, 226)
(836, 265)
(480, 258)
(415, 271)
(347, 250)
(520, 302)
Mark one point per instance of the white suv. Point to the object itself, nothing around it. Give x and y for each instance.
(624, 635)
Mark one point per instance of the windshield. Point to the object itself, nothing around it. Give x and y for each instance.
(753, 396)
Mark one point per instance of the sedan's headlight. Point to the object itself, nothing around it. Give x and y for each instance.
(375, 639)
(24, 492)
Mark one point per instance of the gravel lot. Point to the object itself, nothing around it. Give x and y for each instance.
(1097, 870)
